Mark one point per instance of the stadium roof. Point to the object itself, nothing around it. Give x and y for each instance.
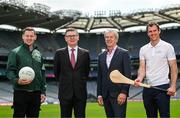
(38, 15)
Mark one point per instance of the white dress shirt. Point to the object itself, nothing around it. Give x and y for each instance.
(109, 56)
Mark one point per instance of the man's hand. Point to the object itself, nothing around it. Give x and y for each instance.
(100, 100)
(137, 82)
(24, 81)
(171, 91)
(43, 97)
(121, 98)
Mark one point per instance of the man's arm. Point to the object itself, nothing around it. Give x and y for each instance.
(122, 97)
(99, 84)
(141, 72)
(56, 65)
(126, 72)
(99, 79)
(12, 68)
(43, 80)
(43, 85)
(174, 74)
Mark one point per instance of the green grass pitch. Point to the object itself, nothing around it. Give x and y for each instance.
(93, 110)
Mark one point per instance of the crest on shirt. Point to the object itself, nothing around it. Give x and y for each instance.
(36, 55)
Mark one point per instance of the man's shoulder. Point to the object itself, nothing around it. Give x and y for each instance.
(61, 49)
(16, 49)
(102, 53)
(165, 43)
(83, 49)
(122, 49)
(145, 46)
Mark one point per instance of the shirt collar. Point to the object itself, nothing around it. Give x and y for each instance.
(27, 46)
(157, 45)
(69, 48)
(112, 50)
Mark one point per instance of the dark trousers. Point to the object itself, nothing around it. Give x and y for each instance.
(78, 105)
(113, 109)
(26, 104)
(156, 100)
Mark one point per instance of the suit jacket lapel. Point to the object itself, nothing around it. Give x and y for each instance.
(78, 57)
(104, 59)
(67, 57)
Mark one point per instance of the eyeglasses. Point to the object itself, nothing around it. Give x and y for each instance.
(69, 36)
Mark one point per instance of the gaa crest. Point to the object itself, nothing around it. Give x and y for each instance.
(36, 55)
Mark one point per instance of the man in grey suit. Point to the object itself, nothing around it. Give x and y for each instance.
(113, 96)
(71, 65)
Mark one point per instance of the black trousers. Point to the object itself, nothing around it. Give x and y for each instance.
(156, 100)
(78, 105)
(26, 104)
(113, 109)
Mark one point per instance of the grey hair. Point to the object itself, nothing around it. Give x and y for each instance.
(114, 32)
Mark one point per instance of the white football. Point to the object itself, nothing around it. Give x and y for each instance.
(26, 73)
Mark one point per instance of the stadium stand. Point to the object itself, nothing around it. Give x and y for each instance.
(172, 36)
(6, 92)
(95, 43)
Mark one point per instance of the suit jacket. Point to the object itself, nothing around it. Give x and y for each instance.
(121, 62)
(72, 81)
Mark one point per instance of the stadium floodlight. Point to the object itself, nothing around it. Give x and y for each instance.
(68, 13)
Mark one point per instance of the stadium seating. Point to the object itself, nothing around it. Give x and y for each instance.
(48, 43)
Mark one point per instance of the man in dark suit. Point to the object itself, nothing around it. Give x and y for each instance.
(71, 65)
(113, 96)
